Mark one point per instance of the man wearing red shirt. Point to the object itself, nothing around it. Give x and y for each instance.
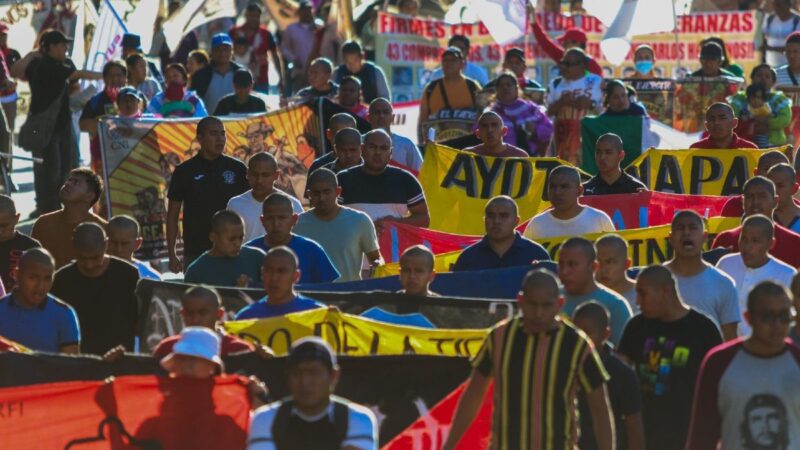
(720, 123)
(759, 198)
(733, 207)
(201, 307)
(260, 41)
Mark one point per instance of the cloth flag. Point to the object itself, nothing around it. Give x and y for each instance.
(192, 15)
(107, 40)
(506, 20)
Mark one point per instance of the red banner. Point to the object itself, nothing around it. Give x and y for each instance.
(627, 211)
(127, 413)
(430, 431)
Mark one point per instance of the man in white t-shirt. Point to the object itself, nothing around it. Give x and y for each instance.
(567, 217)
(775, 28)
(700, 284)
(404, 151)
(572, 96)
(311, 418)
(753, 264)
(262, 171)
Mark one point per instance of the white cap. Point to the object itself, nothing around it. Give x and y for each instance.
(199, 342)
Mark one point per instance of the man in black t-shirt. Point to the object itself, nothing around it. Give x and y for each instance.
(50, 73)
(101, 288)
(12, 242)
(610, 179)
(666, 344)
(201, 186)
(623, 387)
(383, 192)
(242, 101)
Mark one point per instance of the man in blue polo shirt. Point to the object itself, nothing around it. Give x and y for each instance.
(502, 246)
(278, 219)
(32, 317)
(279, 273)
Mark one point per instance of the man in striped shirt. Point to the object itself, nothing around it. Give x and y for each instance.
(537, 361)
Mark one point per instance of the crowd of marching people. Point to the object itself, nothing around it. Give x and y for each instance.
(699, 352)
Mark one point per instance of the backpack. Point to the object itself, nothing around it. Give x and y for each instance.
(472, 86)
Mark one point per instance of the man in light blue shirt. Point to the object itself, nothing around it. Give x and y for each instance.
(31, 316)
(471, 70)
(279, 273)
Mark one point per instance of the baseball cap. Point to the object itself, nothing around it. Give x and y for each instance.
(793, 37)
(303, 4)
(221, 39)
(132, 91)
(515, 52)
(573, 34)
(199, 342)
(711, 50)
(53, 37)
(455, 51)
(132, 40)
(311, 348)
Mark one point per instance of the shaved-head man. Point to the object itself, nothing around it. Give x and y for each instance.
(720, 123)
(734, 207)
(102, 289)
(491, 131)
(787, 213)
(347, 148)
(610, 179)
(201, 307)
(337, 122)
(502, 245)
(124, 241)
(385, 193)
(405, 152)
(666, 344)
(279, 273)
(12, 242)
(567, 217)
(612, 267)
(30, 316)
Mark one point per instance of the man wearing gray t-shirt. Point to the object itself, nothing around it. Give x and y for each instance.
(344, 233)
(404, 151)
(700, 284)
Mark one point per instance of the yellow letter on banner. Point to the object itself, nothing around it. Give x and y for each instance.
(357, 336)
(458, 184)
(645, 246)
(697, 171)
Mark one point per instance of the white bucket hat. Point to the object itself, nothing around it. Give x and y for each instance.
(199, 342)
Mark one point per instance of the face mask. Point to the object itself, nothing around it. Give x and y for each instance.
(174, 92)
(645, 66)
(112, 92)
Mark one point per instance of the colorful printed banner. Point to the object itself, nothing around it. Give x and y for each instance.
(656, 95)
(356, 336)
(127, 412)
(641, 210)
(139, 157)
(694, 95)
(697, 171)
(646, 246)
(458, 184)
(409, 48)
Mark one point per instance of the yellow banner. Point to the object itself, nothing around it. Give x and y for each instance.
(458, 184)
(356, 336)
(697, 171)
(646, 246)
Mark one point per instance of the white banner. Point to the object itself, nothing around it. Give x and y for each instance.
(107, 40)
(192, 15)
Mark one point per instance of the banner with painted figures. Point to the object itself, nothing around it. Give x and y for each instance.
(694, 95)
(139, 157)
(656, 95)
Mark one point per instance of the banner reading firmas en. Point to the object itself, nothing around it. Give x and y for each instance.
(409, 47)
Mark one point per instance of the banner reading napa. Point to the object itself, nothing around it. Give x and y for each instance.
(697, 171)
(139, 157)
(356, 336)
(458, 184)
(646, 246)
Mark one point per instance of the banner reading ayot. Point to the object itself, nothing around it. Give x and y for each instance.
(144, 411)
(646, 246)
(458, 184)
(409, 48)
(139, 157)
(627, 211)
(697, 171)
(356, 336)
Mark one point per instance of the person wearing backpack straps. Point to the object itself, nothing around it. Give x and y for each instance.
(454, 91)
(775, 29)
(311, 417)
